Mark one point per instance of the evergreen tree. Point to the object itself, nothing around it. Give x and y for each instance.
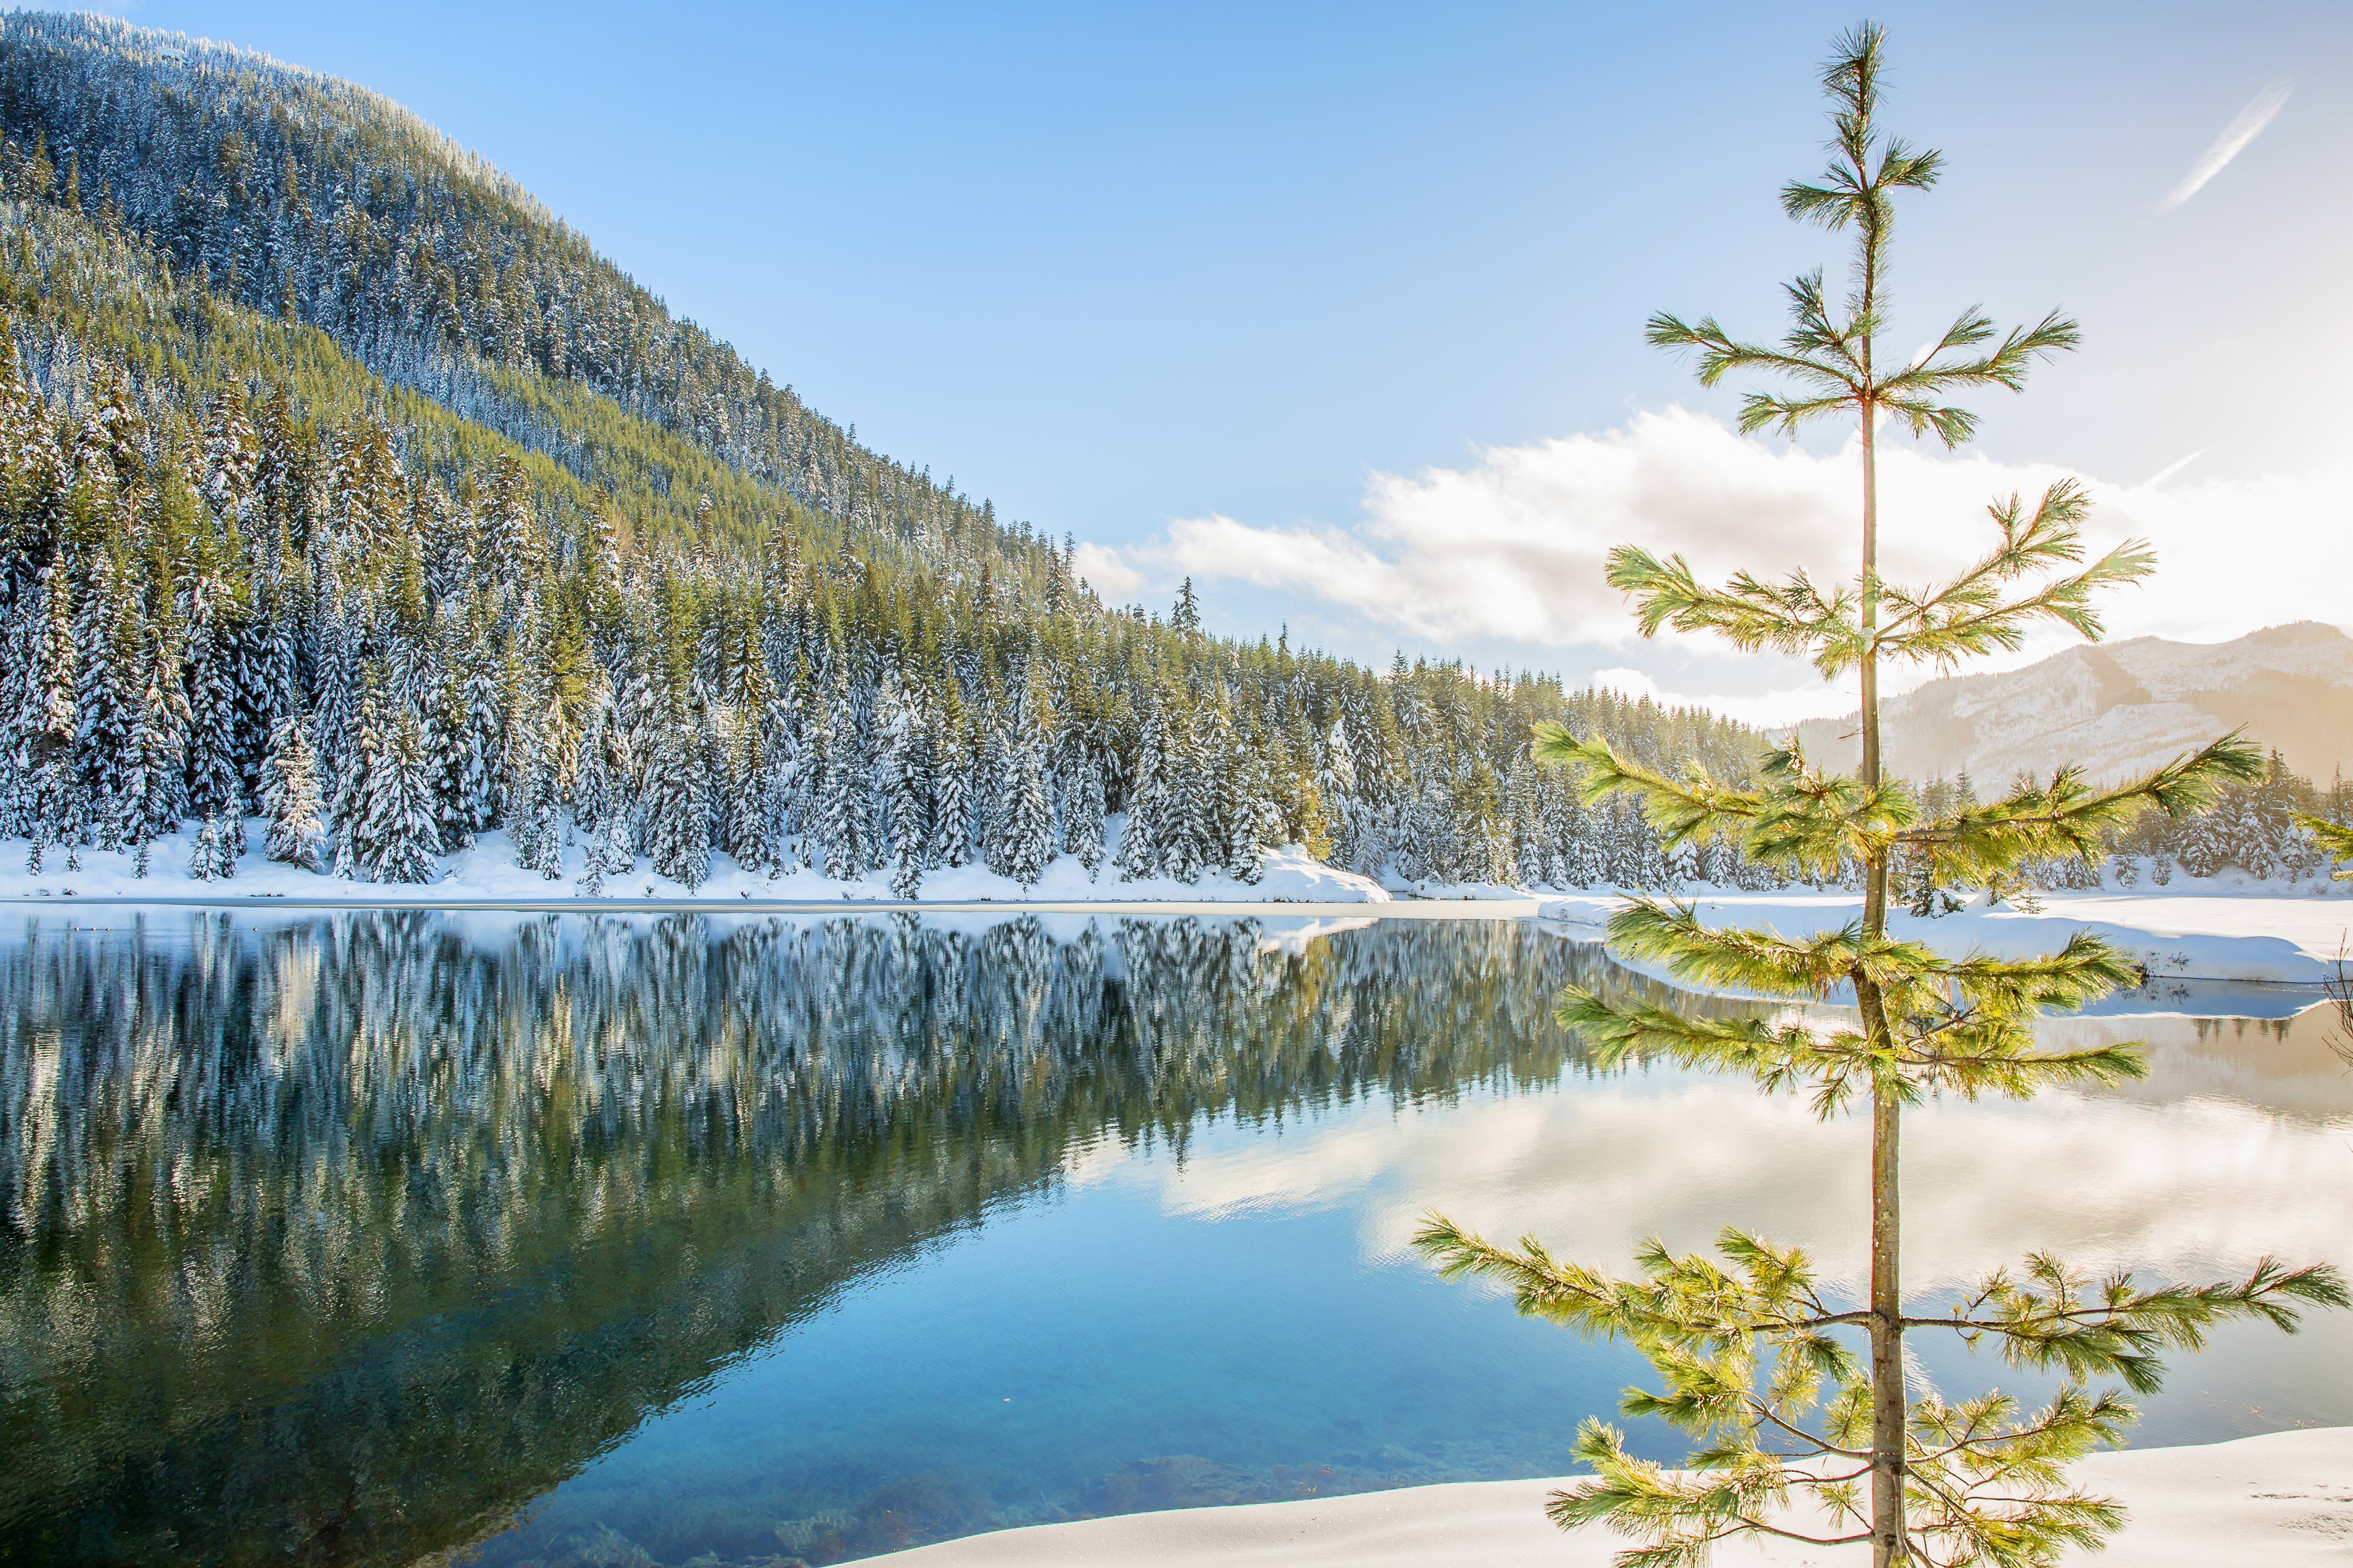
(1251, 824)
(456, 771)
(1187, 826)
(210, 858)
(608, 856)
(481, 738)
(1082, 815)
(536, 819)
(159, 743)
(216, 785)
(906, 763)
(841, 807)
(47, 718)
(1336, 784)
(1140, 853)
(290, 795)
(105, 700)
(678, 809)
(398, 834)
(1759, 1361)
(951, 839)
(1026, 823)
(349, 807)
(751, 826)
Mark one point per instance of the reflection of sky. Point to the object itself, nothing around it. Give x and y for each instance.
(2177, 1187)
(1250, 1301)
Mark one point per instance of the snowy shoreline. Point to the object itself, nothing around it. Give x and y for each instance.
(2196, 934)
(2286, 1498)
(2191, 931)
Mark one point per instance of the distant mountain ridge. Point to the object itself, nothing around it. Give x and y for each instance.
(2120, 707)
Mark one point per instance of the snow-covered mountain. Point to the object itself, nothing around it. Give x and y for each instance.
(2121, 706)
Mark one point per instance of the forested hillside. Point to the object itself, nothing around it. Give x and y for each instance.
(310, 200)
(345, 485)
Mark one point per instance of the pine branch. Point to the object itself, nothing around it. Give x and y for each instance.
(1720, 353)
(1984, 1056)
(2066, 817)
(1764, 411)
(1682, 1512)
(1834, 1066)
(2006, 367)
(1680, 809)
(1968, 616)
(2052, 1316)
(1792, 618)
(1724, 957)
(1570, 1295)
(1800, 818)
(2335, 838)
(2078, 974)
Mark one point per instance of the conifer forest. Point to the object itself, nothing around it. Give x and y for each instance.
(347, 490)
(353, 505)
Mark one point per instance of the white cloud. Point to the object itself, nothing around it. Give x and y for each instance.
(1786, 705)
(2261, 111)
(1105, 573)
(1509, 548)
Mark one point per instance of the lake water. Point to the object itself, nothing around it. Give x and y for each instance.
(366, 1237)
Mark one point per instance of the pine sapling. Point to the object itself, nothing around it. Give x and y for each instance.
(1794, 1421)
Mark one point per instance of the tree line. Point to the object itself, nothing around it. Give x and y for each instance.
(231, 609)
(348, 488)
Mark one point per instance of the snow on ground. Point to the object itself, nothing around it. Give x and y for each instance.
(2184, 935)
(2190, 931)
(2286, 1498)
(487, 872)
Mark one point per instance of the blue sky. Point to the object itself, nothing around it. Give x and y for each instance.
(1125, 271)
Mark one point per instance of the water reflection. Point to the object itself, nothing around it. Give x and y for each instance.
(346, 1237)
(342, 1239)
(2207, 1165)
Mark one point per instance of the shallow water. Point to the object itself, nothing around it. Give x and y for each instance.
(358, 1237)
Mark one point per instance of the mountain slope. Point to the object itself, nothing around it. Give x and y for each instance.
(2120, 708)
(338, 479)
(313, 201)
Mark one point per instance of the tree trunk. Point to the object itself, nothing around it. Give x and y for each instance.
(1889, 1404)
(1869, 717)
(1888, 1401)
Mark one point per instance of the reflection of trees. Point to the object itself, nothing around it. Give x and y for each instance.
(340, 1240)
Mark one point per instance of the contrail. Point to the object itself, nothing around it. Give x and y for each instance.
(2229, 144)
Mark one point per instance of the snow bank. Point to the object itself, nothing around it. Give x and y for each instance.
(487, 872)
(1465, 893)
(2176, 936)
(2286, 1498)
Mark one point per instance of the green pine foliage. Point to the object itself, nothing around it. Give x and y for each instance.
(310, 409)
(1808, 1422)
